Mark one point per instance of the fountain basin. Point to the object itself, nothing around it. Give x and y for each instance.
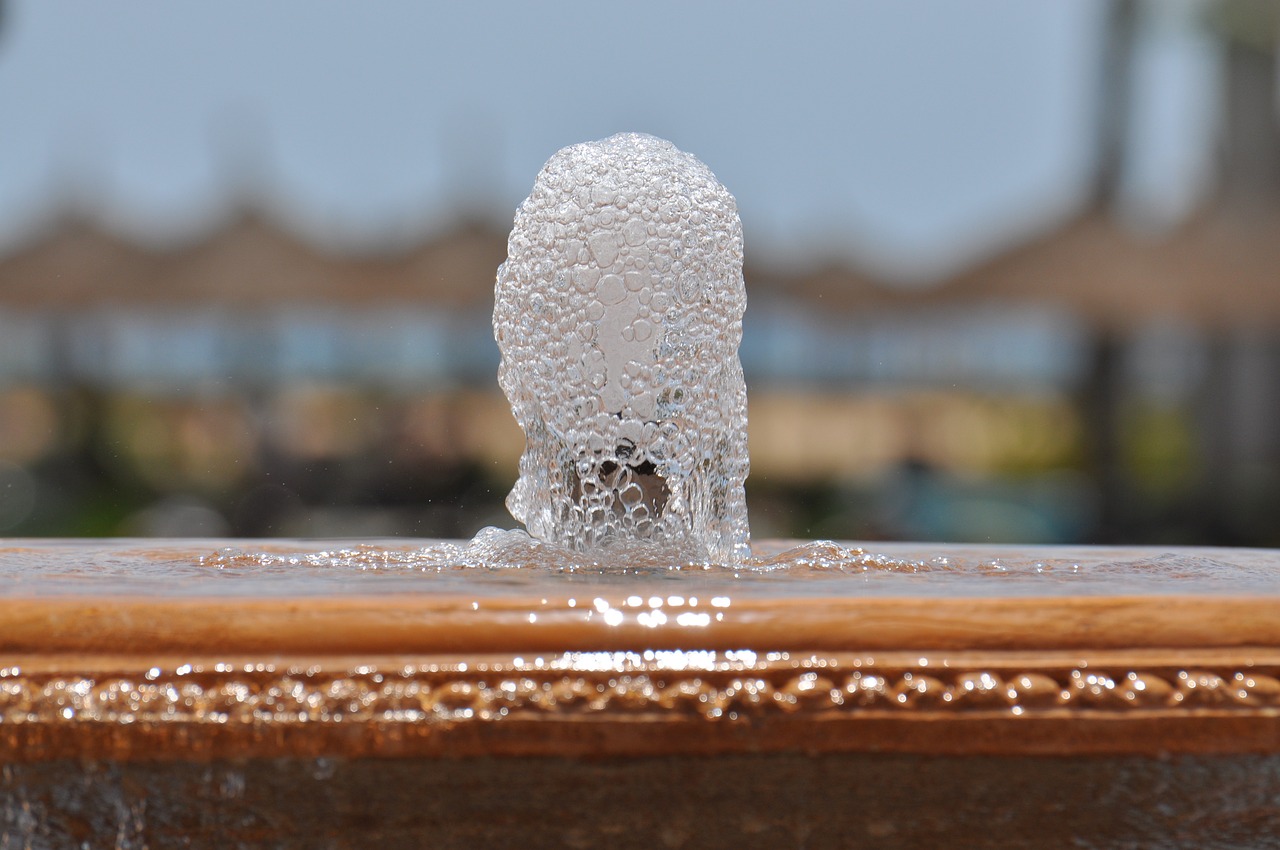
(932, 690)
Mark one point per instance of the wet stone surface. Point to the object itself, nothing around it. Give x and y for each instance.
(767, 801)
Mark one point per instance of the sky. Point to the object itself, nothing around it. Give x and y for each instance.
(910, 140)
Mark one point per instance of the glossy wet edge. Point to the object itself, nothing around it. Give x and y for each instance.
(424, 623)
(640, 703)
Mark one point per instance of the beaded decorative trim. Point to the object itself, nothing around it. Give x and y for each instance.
(607, 685)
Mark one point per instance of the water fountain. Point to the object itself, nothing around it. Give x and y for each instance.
(619, 313)
(632, 671)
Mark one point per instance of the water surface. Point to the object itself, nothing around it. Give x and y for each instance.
(506, 563)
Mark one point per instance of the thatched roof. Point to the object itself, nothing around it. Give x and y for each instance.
(1222, 269)
(249, 262)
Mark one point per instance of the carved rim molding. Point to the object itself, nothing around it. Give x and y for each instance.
(650, 703)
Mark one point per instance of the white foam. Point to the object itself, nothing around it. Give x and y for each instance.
(618, 313)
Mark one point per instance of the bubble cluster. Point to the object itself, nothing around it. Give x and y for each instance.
(618, 313)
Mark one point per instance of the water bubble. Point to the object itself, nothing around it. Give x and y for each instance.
(585, 479)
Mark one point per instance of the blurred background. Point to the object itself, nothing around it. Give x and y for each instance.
(1013, 269)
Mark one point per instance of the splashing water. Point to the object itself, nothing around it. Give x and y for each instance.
(618, 313)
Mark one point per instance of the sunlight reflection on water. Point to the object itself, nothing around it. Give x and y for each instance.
(498, 562)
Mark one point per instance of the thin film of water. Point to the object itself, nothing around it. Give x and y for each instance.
(511, 563)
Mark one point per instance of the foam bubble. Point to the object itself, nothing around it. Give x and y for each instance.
(618, 313)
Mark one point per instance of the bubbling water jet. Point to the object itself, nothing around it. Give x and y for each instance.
(618, 313)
